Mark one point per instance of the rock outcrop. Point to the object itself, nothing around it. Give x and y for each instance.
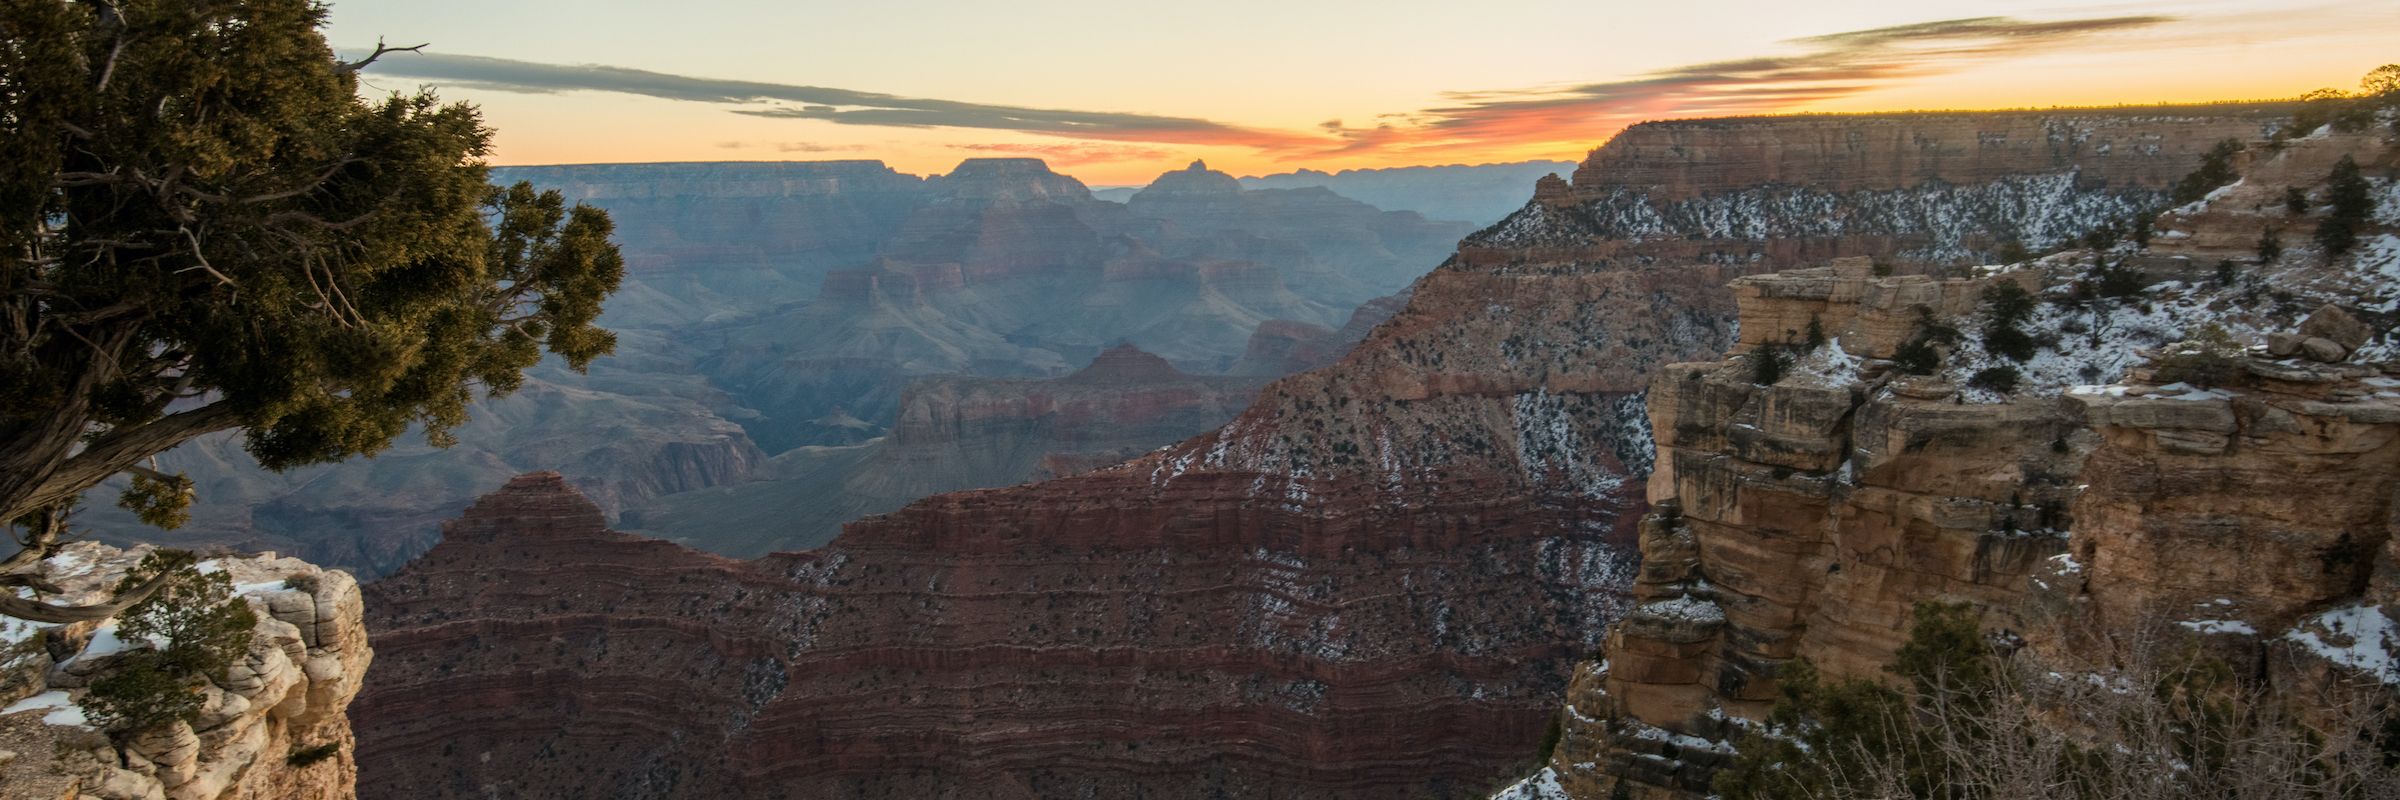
(1804, 519)
(274, 727)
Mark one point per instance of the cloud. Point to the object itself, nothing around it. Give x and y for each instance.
(1825, 67)
(839, 106)
(1828, 67)
(1073, 154)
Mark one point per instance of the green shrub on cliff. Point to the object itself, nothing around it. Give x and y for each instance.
(195, 629)
(2348, 194)
(2216, 169)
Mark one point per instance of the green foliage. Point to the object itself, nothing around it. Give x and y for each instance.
(197, 206)
(161, 502)
(2215, 170)
(1821, 733)
(304, 756)
(2295, 200)
(2006, 306)
(2002, 378)
(2103, 237)
(1882, 268)
(2347, 191)
(1922, 354)
(2228, 272)
(1815, 337)
(1768, 363)
(2209, 359)
(2113, 280)
(196, 629)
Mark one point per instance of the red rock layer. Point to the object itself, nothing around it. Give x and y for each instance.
(966, 648)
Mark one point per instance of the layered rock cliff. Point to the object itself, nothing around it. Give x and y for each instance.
(1803, 518)
(274, 726)
(1375, 581)
(955, 433)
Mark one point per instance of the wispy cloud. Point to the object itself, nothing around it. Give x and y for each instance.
(1825, 67)
(1829, 66)
(839, 106)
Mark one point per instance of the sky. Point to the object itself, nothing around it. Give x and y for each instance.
(1116, 91)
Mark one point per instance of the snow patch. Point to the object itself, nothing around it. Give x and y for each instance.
(62, 709)
(1541, 785)
(2359, 637)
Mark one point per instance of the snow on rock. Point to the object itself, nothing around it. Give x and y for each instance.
(61, 709)
(1541, 785)
(291, 691)
(2360, 637)
(1686, 608)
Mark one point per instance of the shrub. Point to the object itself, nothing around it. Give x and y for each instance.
(1767, 364)
(2007, 305)
(2002, 379)
(2227, 272)
(304, 756)
(2115, 280)
(2346, 191)
(2209, 359)
(2294, 200)
(1816, 335)
(2270, 246)
(2012, 251)
(196, 628)
(2216, 169)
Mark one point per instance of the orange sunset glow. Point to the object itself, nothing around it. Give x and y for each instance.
(1115, 97)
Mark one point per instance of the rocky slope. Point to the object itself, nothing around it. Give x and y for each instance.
(1803, 520)
(289, 696)
(1375, 581)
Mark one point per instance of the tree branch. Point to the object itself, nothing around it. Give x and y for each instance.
(112, 453)
(37, 611)
(380, 51)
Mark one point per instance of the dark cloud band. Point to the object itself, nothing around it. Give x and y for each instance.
(840, 106)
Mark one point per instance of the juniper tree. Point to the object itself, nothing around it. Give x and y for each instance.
(203, 228)
(2347, 191)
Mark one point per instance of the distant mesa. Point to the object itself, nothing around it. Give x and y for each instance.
(1196, 179)
(1127, 364)
(1010, 180)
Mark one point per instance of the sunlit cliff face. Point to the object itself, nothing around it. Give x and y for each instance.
(1118, 95)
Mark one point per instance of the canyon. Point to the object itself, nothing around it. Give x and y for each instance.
(1377, 579)
(772, 309)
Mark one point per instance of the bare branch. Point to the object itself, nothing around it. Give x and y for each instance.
(203, 259)
(380, 51)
